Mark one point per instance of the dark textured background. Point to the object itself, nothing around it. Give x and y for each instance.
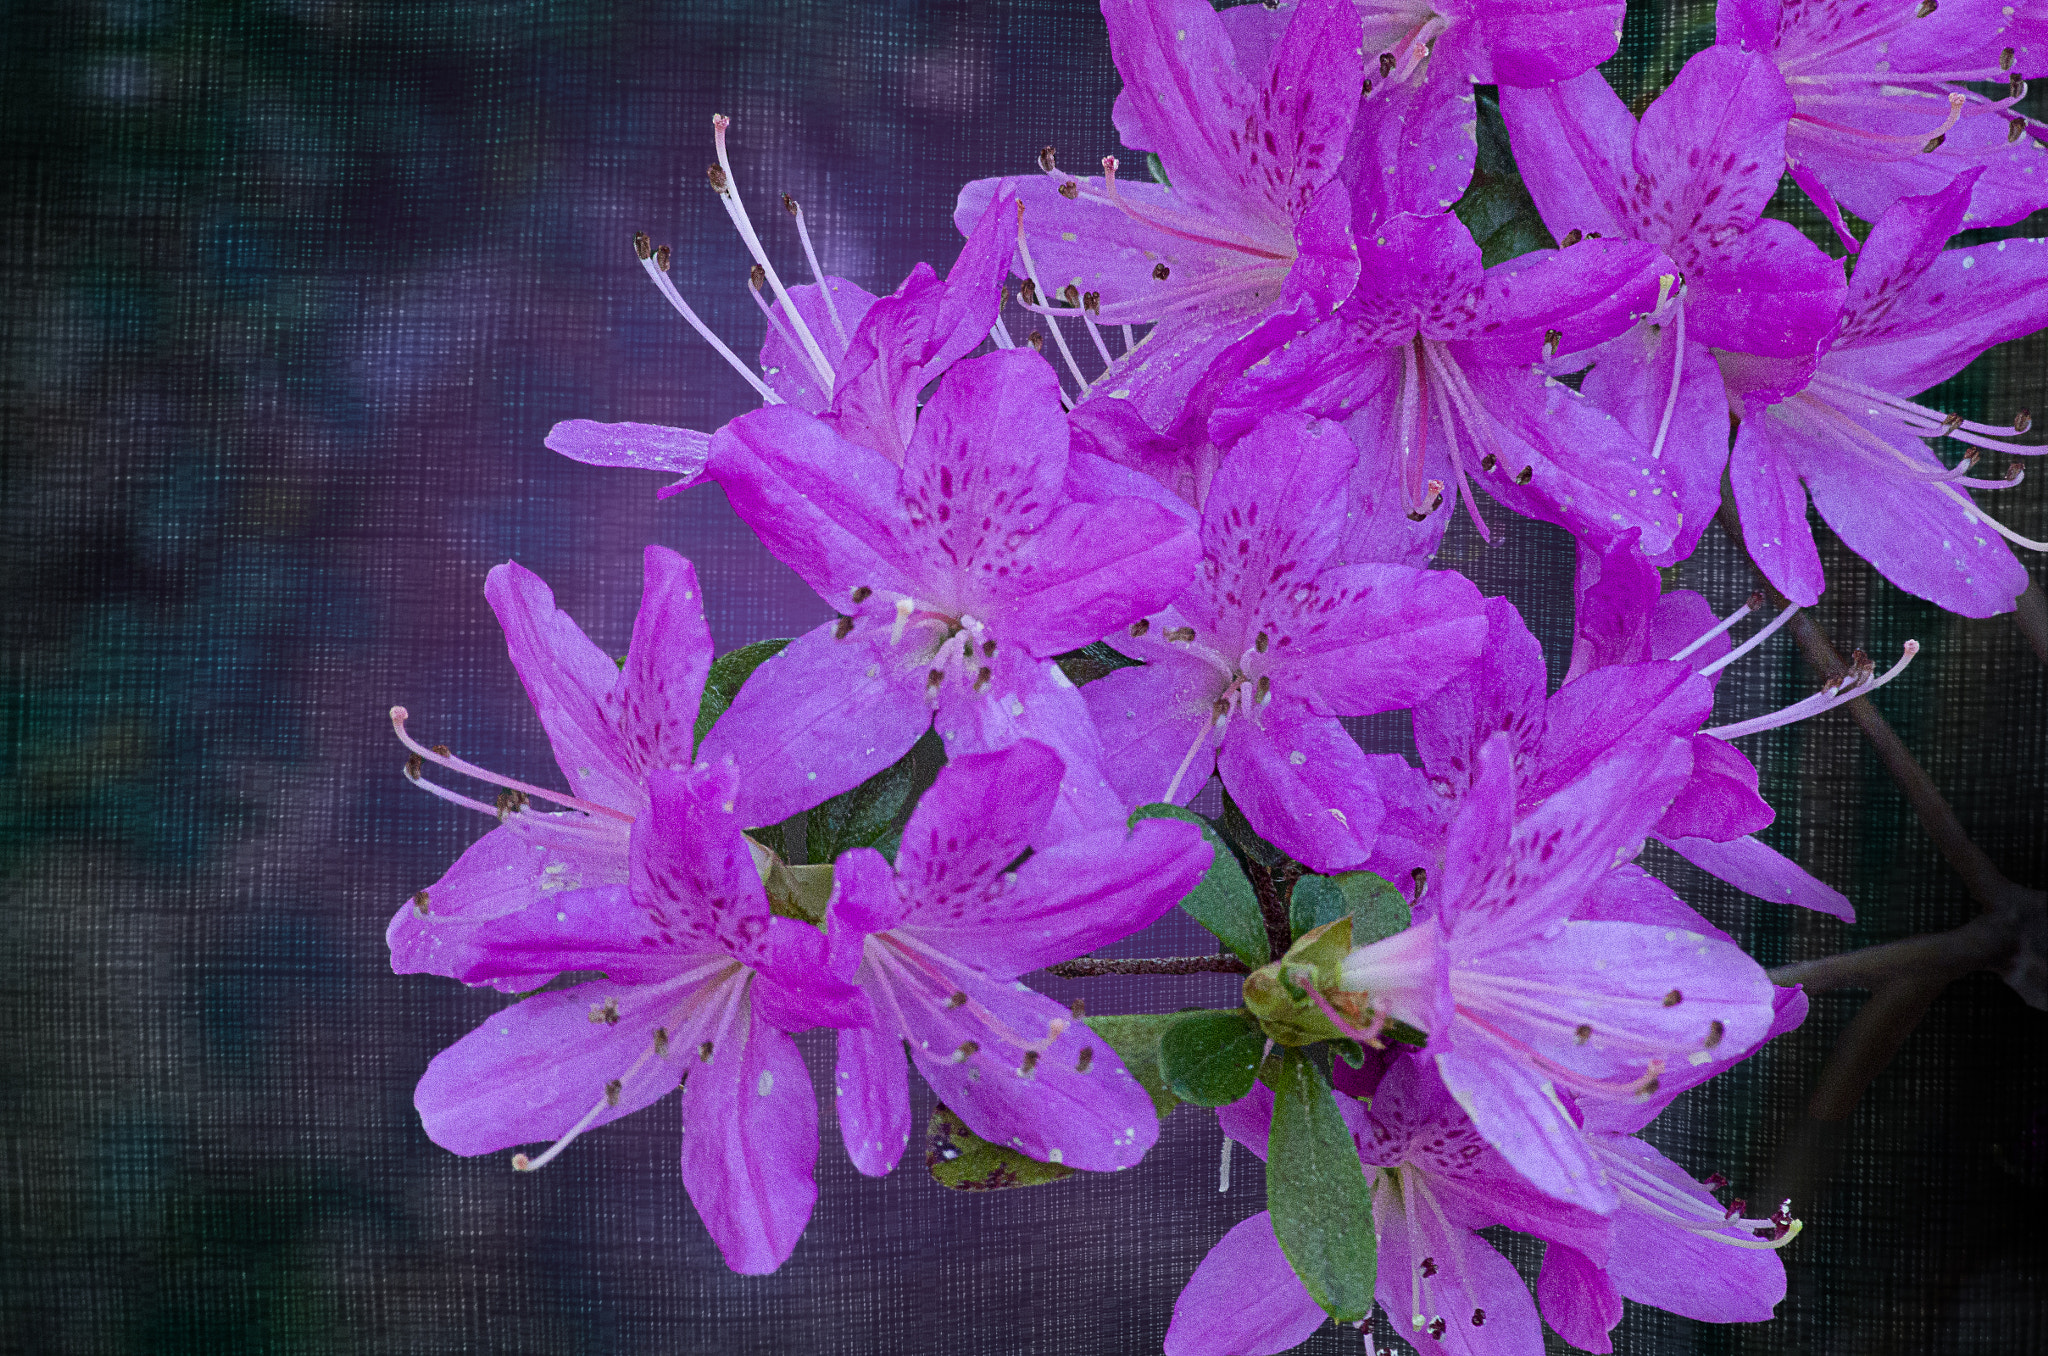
(292, 292)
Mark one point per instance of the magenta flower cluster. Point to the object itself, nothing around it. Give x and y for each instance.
(1279, 364)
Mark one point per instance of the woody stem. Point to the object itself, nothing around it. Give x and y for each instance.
(1088, 967)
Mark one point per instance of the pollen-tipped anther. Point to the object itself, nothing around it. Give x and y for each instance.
(661, 258)
(642, 246)
(1046, 159)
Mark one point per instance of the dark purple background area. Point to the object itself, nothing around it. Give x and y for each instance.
(293, 292)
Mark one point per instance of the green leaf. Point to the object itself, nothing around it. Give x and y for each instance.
(863, 817)
(1135, 1038)
(961, 1160)
(1245, 840)
(1222, 901)
(1497, 208)
(1157, 169)
(1212, 1058)
(1375, 907)
(1090, 662)
(1316, 1190)
(728, 671)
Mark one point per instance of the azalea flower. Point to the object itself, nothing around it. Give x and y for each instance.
(1850, 434)
(960, 576)
(1882, 111)
(979, 895)
(1250, 669)
(1434, 1182)
(1435, 366)
(1252, 239)
(834, 349)
(697, 978)
(1693, 179)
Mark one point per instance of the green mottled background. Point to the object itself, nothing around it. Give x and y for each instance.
(291, 293)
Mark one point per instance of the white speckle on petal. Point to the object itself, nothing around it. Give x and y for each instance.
(1297, 758)
(765, 1084)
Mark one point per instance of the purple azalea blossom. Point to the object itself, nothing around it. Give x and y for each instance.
(1670, 1243)
(1435, 367)
(1249, 670)
(1546, 799)
(872, 357)
(698, 978)
(1692, 179)
(961, 575)
(1472, 42)
(1915, 315)
(1623, 617)
(609, 725)
(1434, 1181)
(1253, 239)
(939, 941)
(1881, 109)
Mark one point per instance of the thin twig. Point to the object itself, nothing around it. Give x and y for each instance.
(1983, 943)
(2030, 614)
(1088, 967)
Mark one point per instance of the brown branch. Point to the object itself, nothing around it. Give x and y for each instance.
(1905, 977)
(2030, 614)
(1088, 967)
(1983, 943)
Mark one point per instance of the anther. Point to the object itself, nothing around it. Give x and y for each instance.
(2022, 421)
(983, 678)
(1428, 1267)
(1070, 190)
(1045, 159)
(958, 998)
(1479, 1318)
(1084, 1059)
(2005, 59)
(789, 205)
(717, 177)
(1386, 64)
(1714, 1181)
(414, 765)
(967, 1050)
(1071, 295)
(444, 751)
(644, 247)
(1091, 302)
(1029, 291)
(1934, 143)
(1488, 462)
(1260, 642)
(1571, 238)
(612, 1090)
(1036, 340)
(988, 649)
(1161, 272)
(1263, 690)
(510, 802)
(1583, 1033)
(1030, 1063)
(2015, 88)
(606, 1012)
(1927, 7)
(1437, 1328)
(2015, 128)
(704, 1052)
(1551, 339)
(1079, 1008)
(1182, 634)
(1672, 999)
(1715, 1031)
(842, 628)
(933, 679)
(661, 1040)
(419, 903)
(661, 257)
(1523, 476)
(1140, 627)
(757, 277)
(862, 593)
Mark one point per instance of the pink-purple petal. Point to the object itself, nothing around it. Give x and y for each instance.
(871, 1086)
(1244, 1299)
